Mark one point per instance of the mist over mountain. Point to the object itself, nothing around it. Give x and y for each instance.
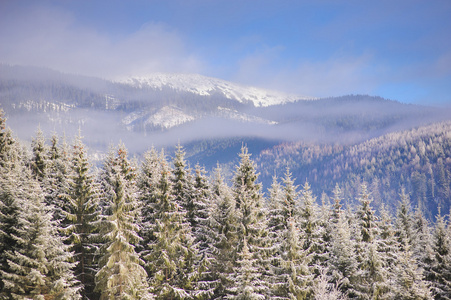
(317, 138)
(164, 109)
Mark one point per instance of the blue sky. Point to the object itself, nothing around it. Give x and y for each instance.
(399, 50)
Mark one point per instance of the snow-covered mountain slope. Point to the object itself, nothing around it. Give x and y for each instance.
(207, 86)
(166, 117)
(232, 114)
(170, 116)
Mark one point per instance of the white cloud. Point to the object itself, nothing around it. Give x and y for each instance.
(51, 38)
(337, 75)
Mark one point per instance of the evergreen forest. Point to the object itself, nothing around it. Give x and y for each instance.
(159, 228)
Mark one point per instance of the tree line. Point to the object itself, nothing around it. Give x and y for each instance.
(158, 229)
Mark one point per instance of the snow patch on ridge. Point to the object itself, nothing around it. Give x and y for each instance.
(206, 86)
(236, 115)
(165, 117)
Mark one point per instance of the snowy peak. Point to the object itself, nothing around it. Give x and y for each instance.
(207, 86)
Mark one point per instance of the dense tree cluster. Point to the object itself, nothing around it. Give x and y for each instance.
(418, 160)
(161, 230)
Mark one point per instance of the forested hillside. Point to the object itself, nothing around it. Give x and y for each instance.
(418, 160)
(159, 229)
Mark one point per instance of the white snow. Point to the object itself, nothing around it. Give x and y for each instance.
(202, 85)
(166, 117)
(236, 115)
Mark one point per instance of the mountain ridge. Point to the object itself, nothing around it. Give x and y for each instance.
(180, 107)
(207, 86)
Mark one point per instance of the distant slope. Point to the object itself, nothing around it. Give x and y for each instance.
(417, 159)
(165, 109)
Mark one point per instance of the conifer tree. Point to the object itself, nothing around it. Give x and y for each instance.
(249, 201)
(82, 218)
(290, 278)
(4, 139)
(372, 277)
(120, 274)
(147, 182)
(39, 159)
(39, 266)
(343, 262)
(183, 186)
(324, 290)
(408, 277)
(56, 182)
(438, 273)
(170, 261)
(11, 165)
(201, 199)
(294, 278)
(404, 220)
(9, 153)
(311, 230)
(251, 212)
(276, 218)
(9, 214)
(276, 228)
(422, 242)
(388, 245)
(336, 206)
(366, 216)
(326, 227)
(291, 198)
(247, 278)
(222, 234)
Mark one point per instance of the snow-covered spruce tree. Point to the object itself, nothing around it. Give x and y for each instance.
(294, 278)
(372, 277)
(408, 277)
(276, 227)
(247, 277)
(336, 206)
(326, 227)
(343, 261)
(202, 201)
(438, 273)
(81, 213)
(170, 261)
(276, 218)
(324, 290)
(120, 274)
(147, 181)
(387, 244)
(404, 220)
(39, 160)
(9, 211)
(9, 152)
(39, 266)
(290, 198)
(56, 182)
(183, 186)
(11, 165)
(222, 235)
(311, 231)
(251, 213)
(422, 242)
(290, 276)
